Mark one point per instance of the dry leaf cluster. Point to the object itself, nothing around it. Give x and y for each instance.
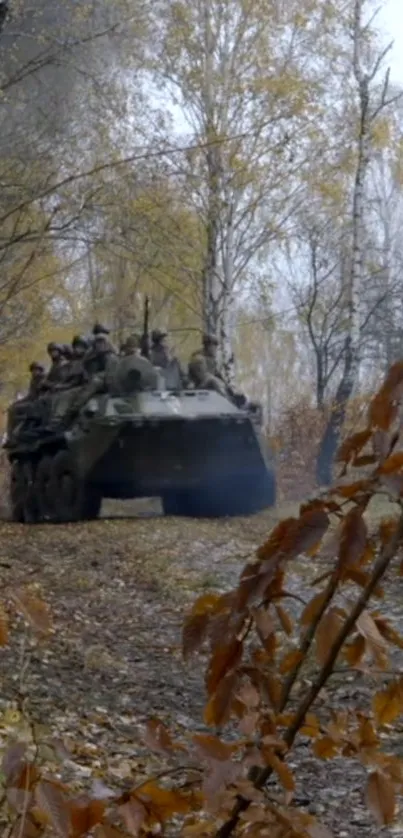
(238, 779)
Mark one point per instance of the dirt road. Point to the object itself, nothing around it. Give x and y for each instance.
(118, 588)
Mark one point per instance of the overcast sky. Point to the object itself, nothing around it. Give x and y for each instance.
(391, 17)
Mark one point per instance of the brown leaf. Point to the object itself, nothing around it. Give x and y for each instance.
(264, 622)
(311, 726)
(134, 814)
(272, 545)
(368, 737)
(305, 533)
(355, 651)
(325, 748)
(290, 660)
(163, 803)
(381, 798)
(326, 633)
(35, 611)
(375, 642)
(282, 770)
(84, 817)
(312, 609)
(392, 464)
(350, 490)
(51, 801)
(212, 747)
(285, 620)
(353, 539)
(224, 658)
(388, 632)
(158, 738)
(352, 445)
(197, 622)
(3, 626)
(249, 696)
(218, 708)
(387, 704)
(12, 762)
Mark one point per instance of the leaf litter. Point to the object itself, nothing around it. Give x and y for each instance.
(118, 589)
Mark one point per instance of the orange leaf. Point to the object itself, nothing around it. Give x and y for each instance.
(352, 445)
(196, 623)
(163, 803)
(353, 539)
(290, 660)
(311, 726)
(218, 708)
(376, 643)
(35, 611)
(392, 464)
(313, 609)
(272, 545)
(351, 489)
(389, 633)
(325, 748)
(285, 620)
(85, 817)
(225, 657)
(387, 704)
(282, 770)
(355, 651)
(305, 533)
(326, 633)
(381, 798)
(158, 738)
(212, 747)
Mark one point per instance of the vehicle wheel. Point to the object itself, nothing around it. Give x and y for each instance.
(17, 493)
(174, 503)
(73, 500)
(31, 509)
(43, 490)
(92, 503)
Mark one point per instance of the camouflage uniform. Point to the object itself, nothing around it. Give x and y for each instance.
(75, 378)
(96, 359)
(160, 356)
(202, 379)
(209, 352)
(18, 412)
(118, 377)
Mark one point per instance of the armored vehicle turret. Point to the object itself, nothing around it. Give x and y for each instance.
(195, 449)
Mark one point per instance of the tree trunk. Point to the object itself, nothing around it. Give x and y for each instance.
(330, 439)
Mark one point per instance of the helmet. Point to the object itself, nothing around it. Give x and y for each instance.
(52, 346)
(158, 334)
(133, 342)
(35, 365)
(80, 340)
(98, 329)
(66, 350)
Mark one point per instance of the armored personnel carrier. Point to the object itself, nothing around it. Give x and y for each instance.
(196, 450)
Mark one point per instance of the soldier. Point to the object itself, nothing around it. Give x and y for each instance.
(75, 374)
(201, 378)
(161, 356)
(57, 369)
(133, 360)
(209, 352)
(37, 378)
(98, 354)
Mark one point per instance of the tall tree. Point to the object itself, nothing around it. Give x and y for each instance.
(239, 75)
(372, 100)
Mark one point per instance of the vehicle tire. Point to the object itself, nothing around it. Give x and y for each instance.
(73, 499)
(175, 503)
(92, 504)
(43, 489)
(234, 497)
(31, 509)
(17, 493)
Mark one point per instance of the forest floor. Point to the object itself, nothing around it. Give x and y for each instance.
(118, 589)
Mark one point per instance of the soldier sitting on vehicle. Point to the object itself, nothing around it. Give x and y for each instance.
(201, 378)
(132, 371)
(96, 358)
(161, 356)
(18, 411)
(56, 373)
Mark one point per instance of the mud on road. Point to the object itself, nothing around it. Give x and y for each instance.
(118, 588)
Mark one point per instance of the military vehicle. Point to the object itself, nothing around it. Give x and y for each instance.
(197, 451)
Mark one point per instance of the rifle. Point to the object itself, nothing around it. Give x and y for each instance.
(145, 339)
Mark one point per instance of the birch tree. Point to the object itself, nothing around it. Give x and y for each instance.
(373, 98)
(239, 75)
